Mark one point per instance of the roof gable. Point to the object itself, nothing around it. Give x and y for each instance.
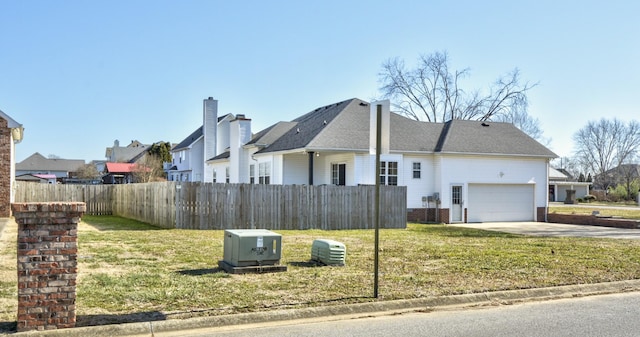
(307, 127)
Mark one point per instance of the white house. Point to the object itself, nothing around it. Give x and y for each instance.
(560, 183)
(467, 171)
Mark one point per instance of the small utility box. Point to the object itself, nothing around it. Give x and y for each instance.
(328, 252)
(251, 250)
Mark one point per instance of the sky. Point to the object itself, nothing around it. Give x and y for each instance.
(80, 74)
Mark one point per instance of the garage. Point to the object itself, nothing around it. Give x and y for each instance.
(497, 202)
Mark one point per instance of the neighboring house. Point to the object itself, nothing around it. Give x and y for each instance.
(560, 181)
(127, 154)
(189, 156)
(617, 175)
(38, 178)
(470, 171)
(38, 164)
(11, 132)
(119, 173)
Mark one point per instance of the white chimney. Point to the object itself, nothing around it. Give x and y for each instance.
(240, 135)
(209, 130)
(373, 125)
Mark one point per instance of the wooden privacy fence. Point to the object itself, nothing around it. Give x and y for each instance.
(233, 206)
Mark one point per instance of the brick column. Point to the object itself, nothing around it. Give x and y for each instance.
(47, 264)
(5, 168)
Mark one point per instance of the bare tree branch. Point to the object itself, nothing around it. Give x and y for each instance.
(432, 92)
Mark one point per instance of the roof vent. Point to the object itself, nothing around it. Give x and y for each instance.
(363, 104)
(325, 122)
(298, 130)
(484, 124)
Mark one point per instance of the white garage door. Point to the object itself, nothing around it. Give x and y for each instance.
(489, 203)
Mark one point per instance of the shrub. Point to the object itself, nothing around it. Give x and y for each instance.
(589, 198)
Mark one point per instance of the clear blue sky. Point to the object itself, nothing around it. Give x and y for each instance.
(80, 74)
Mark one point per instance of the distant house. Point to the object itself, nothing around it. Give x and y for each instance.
(38, 178)
(38, 164)
(126, 154)
(190, 155)
(560, 181)
(617, 175)
(465, 171)
(11, 132)
(119, 173)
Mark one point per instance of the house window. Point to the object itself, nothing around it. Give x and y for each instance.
(252, 174)
(214, 176)
(389, 173)
(226, 172)
(264, 173)
(338, 174)
(416, 170)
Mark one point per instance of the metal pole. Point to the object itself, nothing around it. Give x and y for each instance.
(377, 206)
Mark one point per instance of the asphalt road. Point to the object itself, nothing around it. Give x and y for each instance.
(605, 315)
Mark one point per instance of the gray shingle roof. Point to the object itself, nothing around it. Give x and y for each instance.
(37, 162)
(465, 136)
(345, 126)
(189, 140)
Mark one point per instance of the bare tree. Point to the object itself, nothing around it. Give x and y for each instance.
(628, 175)
(432, 92)
(606, 144)
(88, 171)
(148, 169)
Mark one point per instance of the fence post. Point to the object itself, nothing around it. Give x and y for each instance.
(47, 264)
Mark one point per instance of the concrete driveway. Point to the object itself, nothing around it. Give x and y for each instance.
(554, 229)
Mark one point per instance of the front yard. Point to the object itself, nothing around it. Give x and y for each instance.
(131, 271)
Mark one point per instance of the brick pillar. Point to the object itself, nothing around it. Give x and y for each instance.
(47, 264)
(5, 168)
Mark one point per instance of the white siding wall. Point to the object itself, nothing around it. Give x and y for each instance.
(220, 170)
(277, 163)
(296, 169)
(196, 161)
(493, 170)
(365, 166)
(322, 174)
(418, 188)
(223, 135)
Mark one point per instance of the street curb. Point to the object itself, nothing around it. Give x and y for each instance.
(397, 306)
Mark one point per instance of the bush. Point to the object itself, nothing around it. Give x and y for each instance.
(589, 198)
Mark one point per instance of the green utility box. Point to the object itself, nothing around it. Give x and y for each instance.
(252, 247)
(328, 252)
